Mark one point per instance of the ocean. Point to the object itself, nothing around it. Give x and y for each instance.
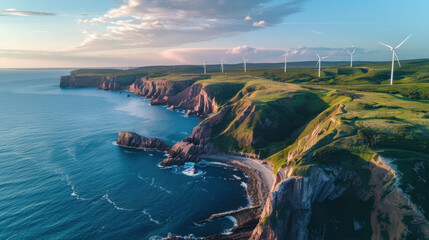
(63, 177)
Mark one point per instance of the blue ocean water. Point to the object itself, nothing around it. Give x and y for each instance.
(62, 176)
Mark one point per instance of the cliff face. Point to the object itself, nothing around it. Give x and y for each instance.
(101, 82)
(129, 139)
(287, 212)
(157, 89)
(394, 215)
(195, 145)
(177, 94)
(288, 208)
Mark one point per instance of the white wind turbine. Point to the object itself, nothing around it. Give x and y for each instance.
(245, 64)
(205, 67)
(394, 55)
(351, 55)
(320, 62)
(222, 60)
(286, 55)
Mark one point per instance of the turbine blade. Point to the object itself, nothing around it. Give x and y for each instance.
(354, 50)
(397, 59)
(391, 48)
(403, 41)
(317, 55)
(317, 64)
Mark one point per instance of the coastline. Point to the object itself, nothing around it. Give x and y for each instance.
(261, 178)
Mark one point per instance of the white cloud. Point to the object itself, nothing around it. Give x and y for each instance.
(174, 56)
(14, 12)
(235, 54)
(149, 23)
(260, 24)
(315, 32)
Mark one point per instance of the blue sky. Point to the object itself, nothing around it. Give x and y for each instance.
(97, 33)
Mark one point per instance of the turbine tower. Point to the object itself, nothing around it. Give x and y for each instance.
(222, 60)
(286, 55)
(394, 55)
(319, 63)
(245, 64)
(205, 67)
(351, 56)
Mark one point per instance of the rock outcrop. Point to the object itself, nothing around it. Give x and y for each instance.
(190, 148)
(100, 82)
(133, 140)
(177, 94)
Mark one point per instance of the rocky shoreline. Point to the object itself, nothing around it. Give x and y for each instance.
(196, 100)
(258, 189)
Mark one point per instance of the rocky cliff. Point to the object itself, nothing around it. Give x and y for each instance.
(190, 148)
(177, 94)
(288, 209)
(129, 139)
(100, 82)
(391, 215)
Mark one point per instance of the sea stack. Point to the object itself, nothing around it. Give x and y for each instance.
(133, 140)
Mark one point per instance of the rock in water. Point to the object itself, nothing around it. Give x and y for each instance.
(130, 139)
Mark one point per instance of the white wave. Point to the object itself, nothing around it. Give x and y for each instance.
(234, 221)
(189, 164)
(199, 224)
(188, 237)
(150, 217)
(162, 167)
(243, 184)
(236, 177)
(106, 196)
(74, 193)
(156, 237)
(192, 172)
(151, 155)
(115, 143)
(153, 184)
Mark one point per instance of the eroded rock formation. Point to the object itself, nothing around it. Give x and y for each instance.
(130, 139)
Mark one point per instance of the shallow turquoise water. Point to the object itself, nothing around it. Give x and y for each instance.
(62, 176)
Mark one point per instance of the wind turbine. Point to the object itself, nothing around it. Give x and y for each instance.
(351, 55)
(394, 55)
(205, 67)
(286, 55)
(320, 62)
(245, 64)
(222, 60)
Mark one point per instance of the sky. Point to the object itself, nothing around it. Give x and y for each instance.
(131, 33)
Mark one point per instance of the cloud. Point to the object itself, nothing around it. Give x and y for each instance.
(167, 23)
(173, 56)
(261, 55)
(260, 24)
(14, 12)
(315, 32)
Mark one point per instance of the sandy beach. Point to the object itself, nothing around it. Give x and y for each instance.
(261, 179)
